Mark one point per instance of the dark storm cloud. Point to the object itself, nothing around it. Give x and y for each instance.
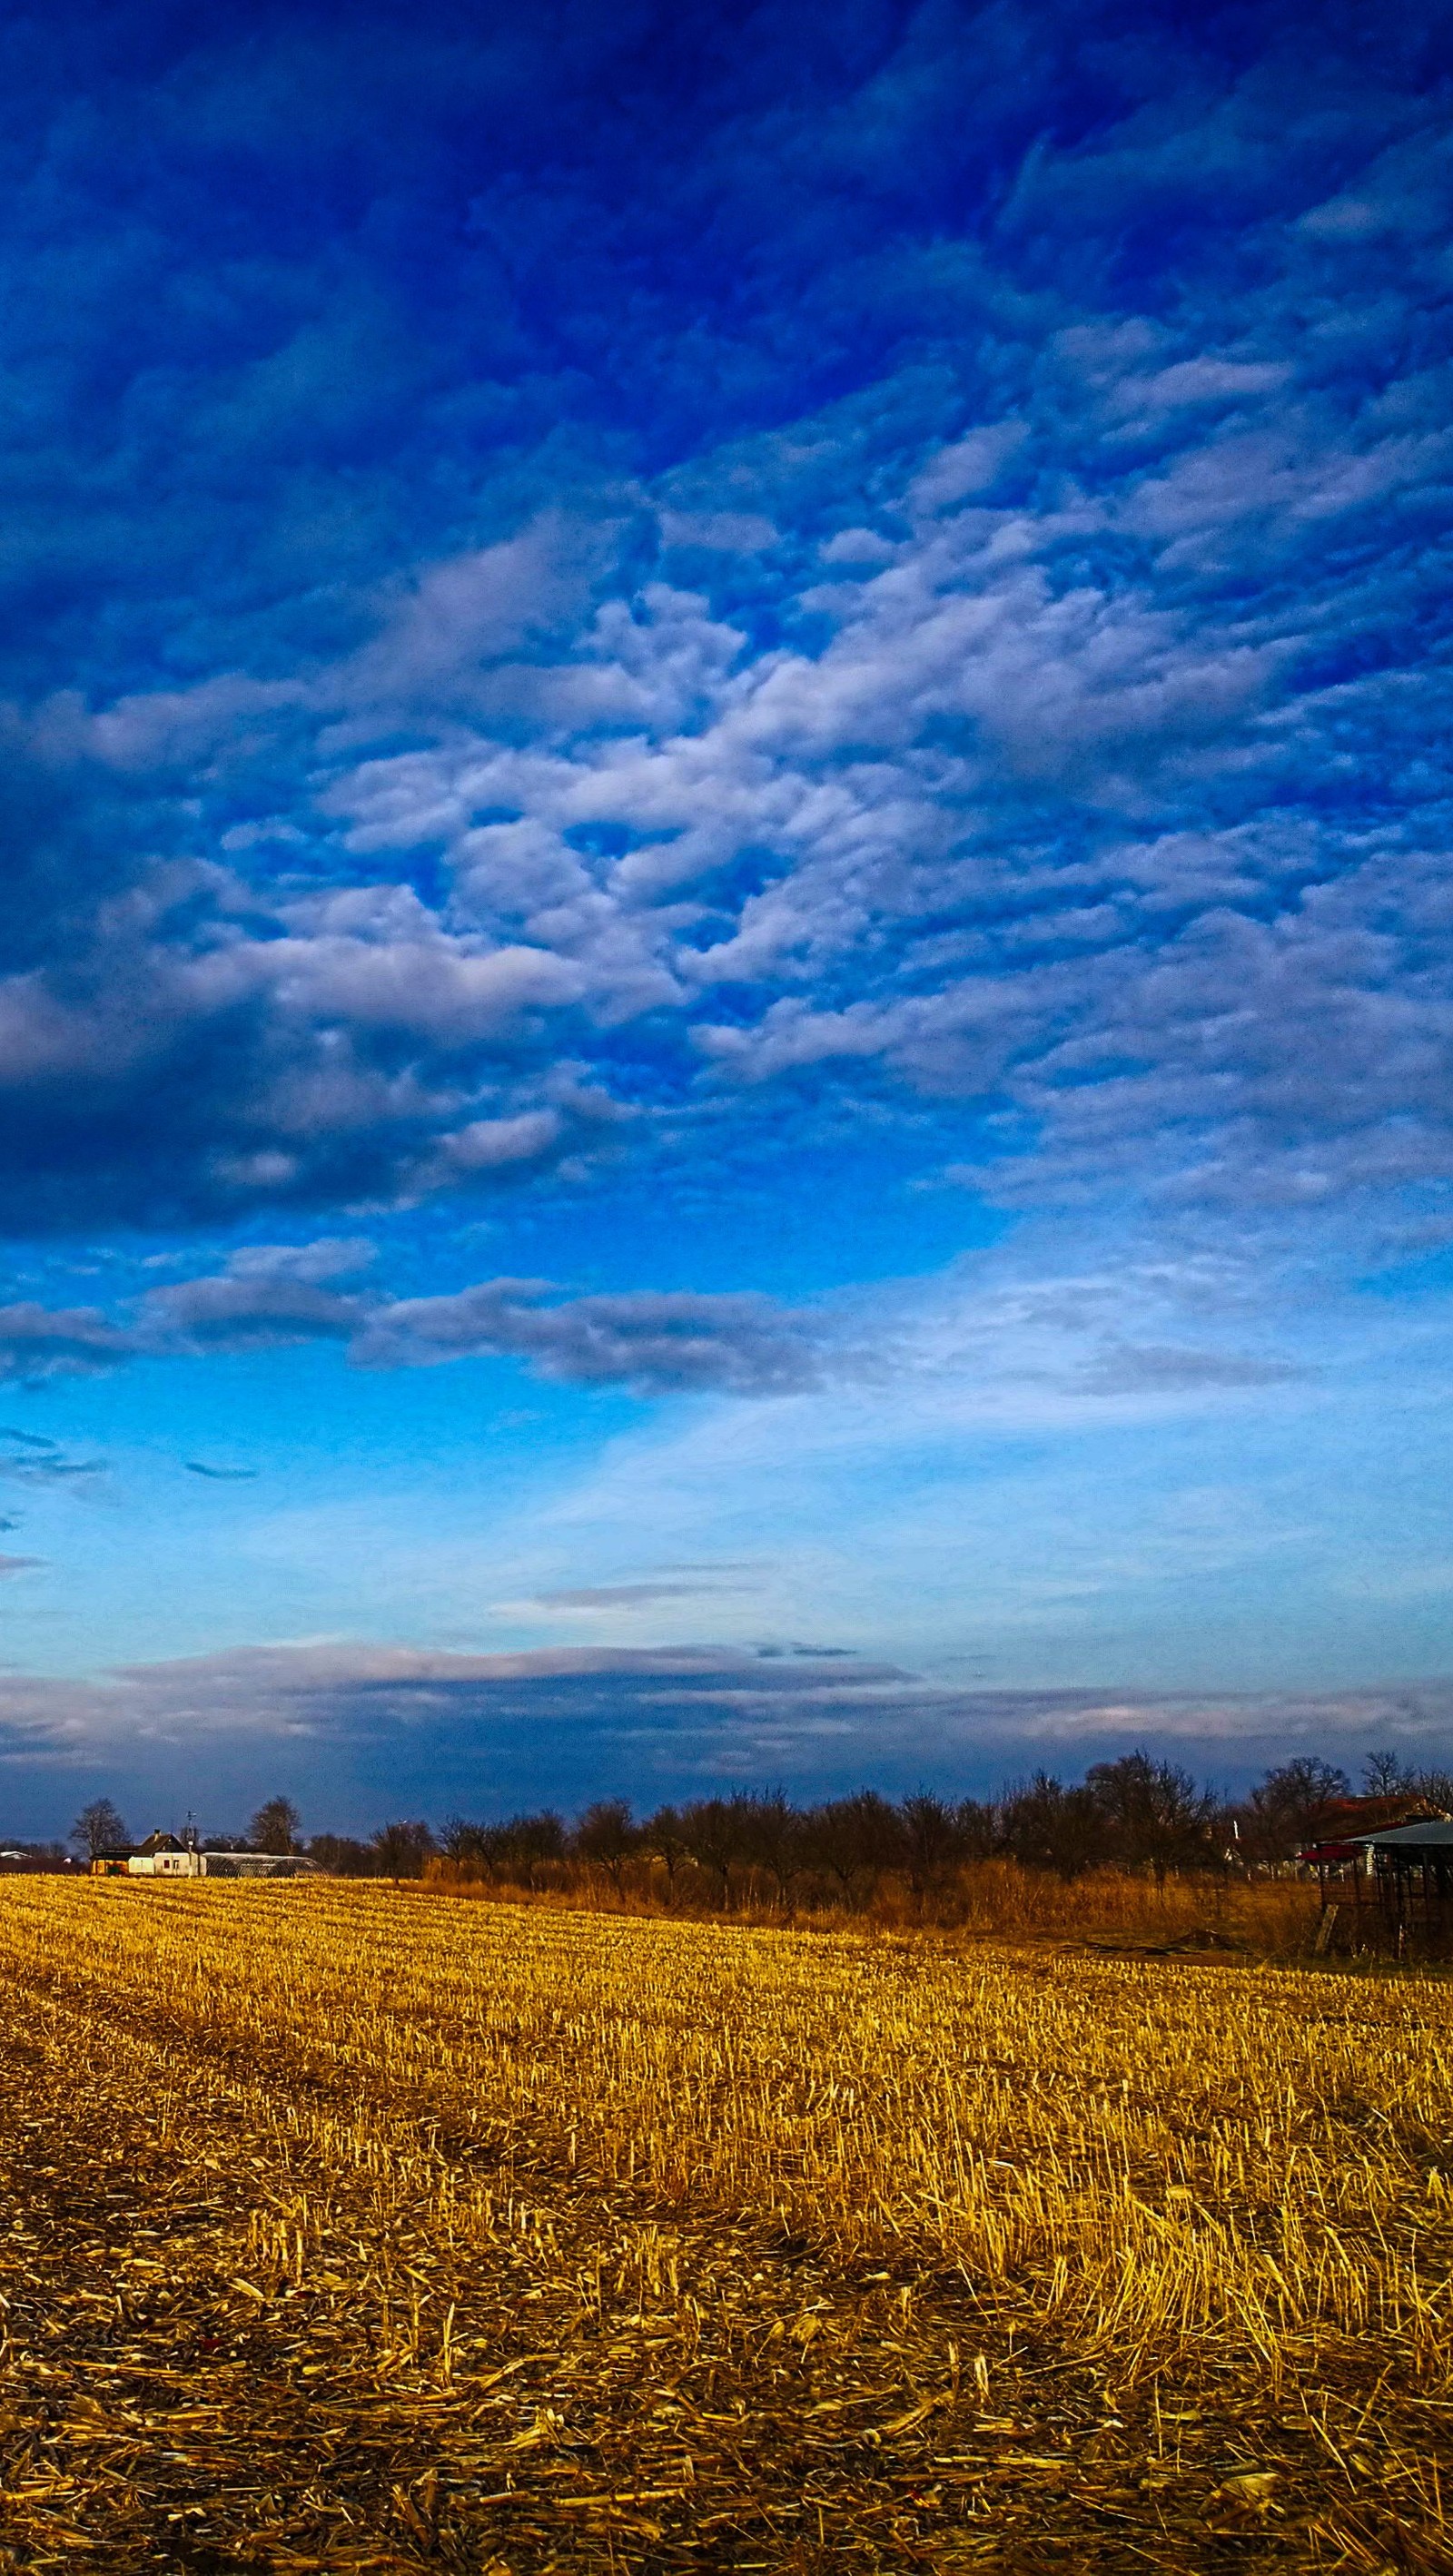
(890, 550)
(360, 1727)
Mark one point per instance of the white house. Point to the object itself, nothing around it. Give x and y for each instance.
(163, 1856)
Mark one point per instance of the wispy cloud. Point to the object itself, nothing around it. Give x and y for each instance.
(632, 1596)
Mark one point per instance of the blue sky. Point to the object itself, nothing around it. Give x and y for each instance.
(725, 1016)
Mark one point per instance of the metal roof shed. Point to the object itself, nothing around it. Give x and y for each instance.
(1411, 1838)
(1413, 1869)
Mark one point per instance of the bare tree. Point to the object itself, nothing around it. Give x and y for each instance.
(467, 1845)
(341, 1854)
(854, 1839)
(1155, 1816)
(716, 1836)
(773, 1839)
(978, 1824)
(1286, 1808)
(99, 1827)
(275, 1826)
(664, 1837)
(607, 1835)
(931, 1841)
(528, 1844)
(1047, 1826)
(401, 1849)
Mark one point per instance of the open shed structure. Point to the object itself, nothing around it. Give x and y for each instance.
(1389, 1890)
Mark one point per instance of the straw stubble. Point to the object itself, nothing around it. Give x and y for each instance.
(354, 2229)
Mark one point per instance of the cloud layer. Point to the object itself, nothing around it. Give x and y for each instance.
(366, 1722)
(1094, 1337)
(271, 1296)
(910, 603)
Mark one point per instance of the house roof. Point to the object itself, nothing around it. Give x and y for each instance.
(1410, 1838)
(1339, 1818)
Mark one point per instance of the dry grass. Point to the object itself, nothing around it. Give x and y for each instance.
(353, 2228)
(987, 1899)
(1276, 1916)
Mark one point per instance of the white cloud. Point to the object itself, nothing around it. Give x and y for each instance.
(1048, 796)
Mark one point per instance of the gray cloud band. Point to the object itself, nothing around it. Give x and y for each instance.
(655, 1342)
(658, 1343)
(696, 1709)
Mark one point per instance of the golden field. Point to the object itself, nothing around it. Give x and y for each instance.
(349, 2227)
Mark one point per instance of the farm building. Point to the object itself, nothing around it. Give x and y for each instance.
(1392, 1887)
(164, 1856)
(1413, 1878)
(1343, 1827)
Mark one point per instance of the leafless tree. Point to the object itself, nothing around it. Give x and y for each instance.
(607, 1836)
(99, 1827)
(276, 1826)
(401, 1849)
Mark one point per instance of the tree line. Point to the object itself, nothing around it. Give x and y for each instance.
(1135, 1814)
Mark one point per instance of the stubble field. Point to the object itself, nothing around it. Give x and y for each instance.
(344, 2227)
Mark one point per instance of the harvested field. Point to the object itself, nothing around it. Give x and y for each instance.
(350, 2228)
